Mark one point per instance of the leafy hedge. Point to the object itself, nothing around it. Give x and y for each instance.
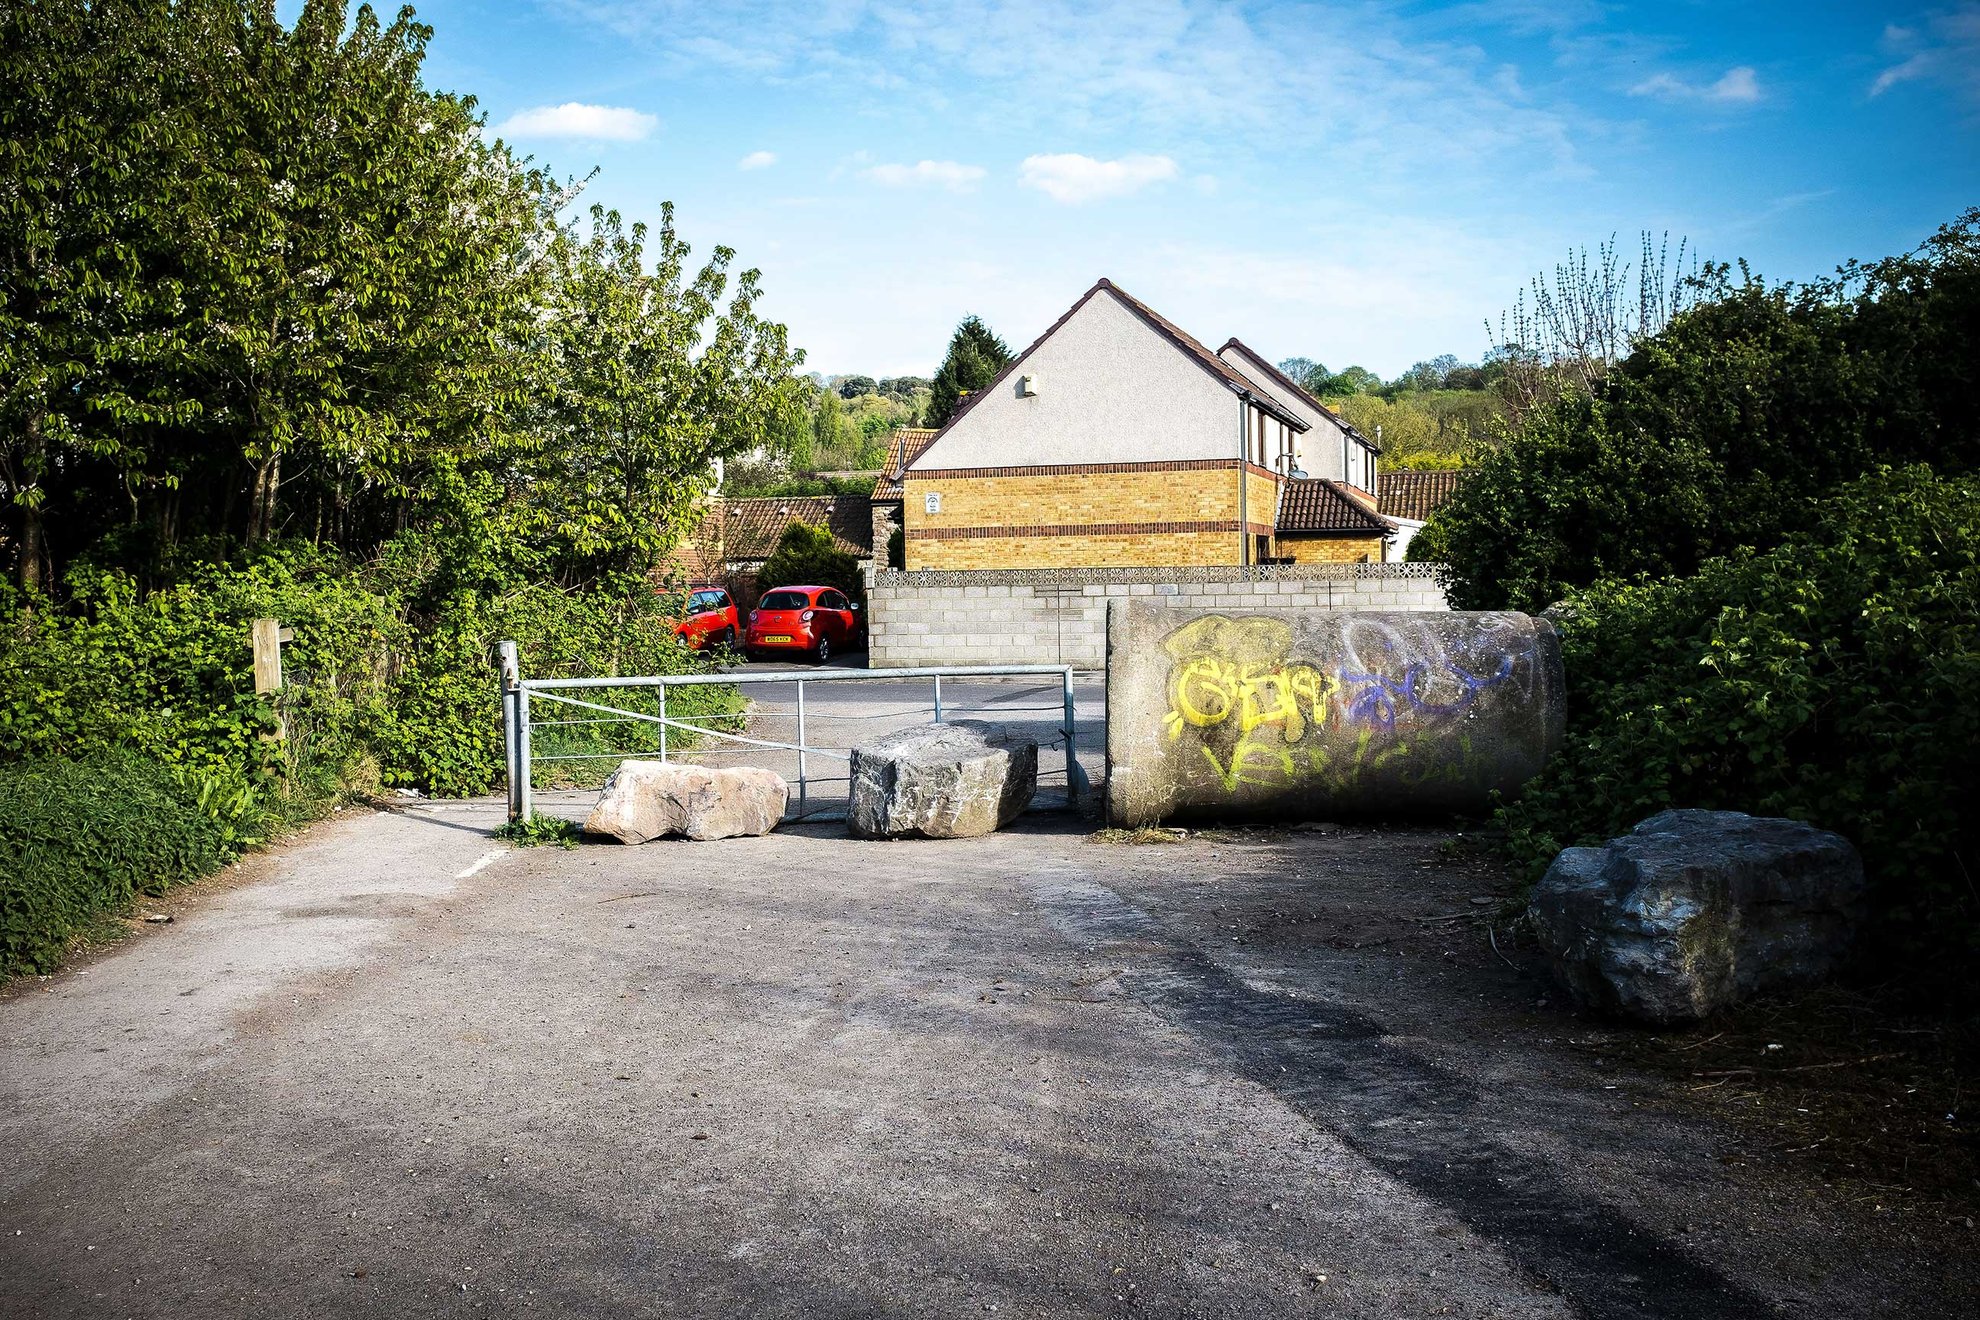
(1835, 679)
(384, 684)
(388, 680)
(80, 839)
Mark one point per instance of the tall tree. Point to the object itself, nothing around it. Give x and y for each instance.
(974, 359)
(241, 258)
(650, 376)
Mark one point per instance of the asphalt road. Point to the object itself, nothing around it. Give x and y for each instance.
(394, 1069)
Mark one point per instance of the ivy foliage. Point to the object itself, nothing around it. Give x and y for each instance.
(381, 685)
(81, 838)
(1834, 679)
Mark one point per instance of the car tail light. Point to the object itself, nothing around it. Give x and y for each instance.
(806, 616)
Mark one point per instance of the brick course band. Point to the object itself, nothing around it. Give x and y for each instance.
(1062, 578)
(1089, 469)
(1080, 529)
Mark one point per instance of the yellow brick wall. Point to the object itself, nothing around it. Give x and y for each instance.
(1330, 549)
(1083, 498)
(1261, 497)
(1166, 550)
(1086, 497)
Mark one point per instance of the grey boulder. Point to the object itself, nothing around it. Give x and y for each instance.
(1694, 910)
(941, 781)
(651, 799)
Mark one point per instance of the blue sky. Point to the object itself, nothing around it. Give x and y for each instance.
(1359, 183)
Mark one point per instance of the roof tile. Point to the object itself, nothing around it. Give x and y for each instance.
(908, 444)
(1416, 495)
(1325, 506)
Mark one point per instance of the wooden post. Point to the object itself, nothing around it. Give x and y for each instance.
(269, 635)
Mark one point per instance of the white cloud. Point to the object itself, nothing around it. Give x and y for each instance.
(1737, 86)
(757, 160)
(1398, 91)
(574, 119)
(1072, 178)
(1947, 50)
(936, 173)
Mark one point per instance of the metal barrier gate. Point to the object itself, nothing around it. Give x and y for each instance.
(521, 696)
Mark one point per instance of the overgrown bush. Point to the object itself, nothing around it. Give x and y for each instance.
(441, 724)
(79, 839)
(1835, 679)
(168, 672)
(808, 556)
(1725, 430)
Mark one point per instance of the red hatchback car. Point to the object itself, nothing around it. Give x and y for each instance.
(814, 621)
(711, 619)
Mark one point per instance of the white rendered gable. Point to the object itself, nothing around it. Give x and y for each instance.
(1108, 388)
(1321, 450)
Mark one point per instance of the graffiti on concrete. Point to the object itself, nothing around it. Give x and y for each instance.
(1381, 693)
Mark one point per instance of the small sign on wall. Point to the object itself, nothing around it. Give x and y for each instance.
(932, 502)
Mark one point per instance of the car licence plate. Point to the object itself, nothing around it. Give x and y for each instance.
(781, 637)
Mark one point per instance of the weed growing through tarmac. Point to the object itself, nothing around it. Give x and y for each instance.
(540, 830)
(1145, 834)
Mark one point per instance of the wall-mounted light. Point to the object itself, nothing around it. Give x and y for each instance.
(1027, 387)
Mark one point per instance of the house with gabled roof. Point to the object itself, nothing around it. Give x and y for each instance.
(1117, 439)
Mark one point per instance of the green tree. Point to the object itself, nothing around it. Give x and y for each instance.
(244, 260)
(975, 357)
(649, 376)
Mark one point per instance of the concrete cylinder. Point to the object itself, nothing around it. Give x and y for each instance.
(1303, 714)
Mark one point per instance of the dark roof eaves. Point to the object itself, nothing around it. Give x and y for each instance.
(1301, 390)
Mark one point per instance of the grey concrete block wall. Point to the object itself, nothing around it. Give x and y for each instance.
(1059, 616)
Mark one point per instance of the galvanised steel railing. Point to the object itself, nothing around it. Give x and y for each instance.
(519, 694)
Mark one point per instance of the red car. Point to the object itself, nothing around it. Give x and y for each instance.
(815, 621)
(711, 619)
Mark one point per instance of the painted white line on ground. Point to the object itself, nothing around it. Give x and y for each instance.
(488, 859)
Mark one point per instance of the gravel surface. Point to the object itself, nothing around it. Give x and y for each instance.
(394, 1069)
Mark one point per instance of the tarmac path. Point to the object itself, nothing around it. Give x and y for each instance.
(396, 1069)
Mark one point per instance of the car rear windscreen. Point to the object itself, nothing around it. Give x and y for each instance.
(784, 600)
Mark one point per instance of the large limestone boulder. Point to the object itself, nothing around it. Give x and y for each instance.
(1693, 910)
(651, 799)
(942, 781)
